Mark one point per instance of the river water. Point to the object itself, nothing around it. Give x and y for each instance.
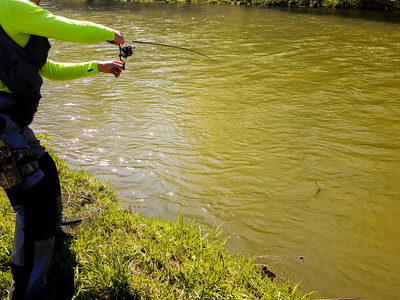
(317, 101)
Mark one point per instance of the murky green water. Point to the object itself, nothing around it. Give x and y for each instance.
(318, 101)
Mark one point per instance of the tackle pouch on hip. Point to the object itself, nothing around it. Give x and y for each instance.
(15, 164)
(10, 177)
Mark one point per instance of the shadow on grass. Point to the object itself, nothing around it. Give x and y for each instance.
(60, 276)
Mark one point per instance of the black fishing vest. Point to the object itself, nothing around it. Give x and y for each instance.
(19, 70)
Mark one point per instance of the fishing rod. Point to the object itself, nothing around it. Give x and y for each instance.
(127, 51)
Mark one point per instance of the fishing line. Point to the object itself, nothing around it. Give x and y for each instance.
(76, 205)
(190, 50)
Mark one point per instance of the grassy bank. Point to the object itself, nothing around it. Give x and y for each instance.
(120, 254)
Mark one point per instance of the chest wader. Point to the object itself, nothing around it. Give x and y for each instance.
(41, 206)
(19, 70)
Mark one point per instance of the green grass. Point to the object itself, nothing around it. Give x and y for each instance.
(120, 254)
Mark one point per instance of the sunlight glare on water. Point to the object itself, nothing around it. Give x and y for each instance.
(318, 102)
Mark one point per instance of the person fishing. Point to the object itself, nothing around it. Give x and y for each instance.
(27, 172)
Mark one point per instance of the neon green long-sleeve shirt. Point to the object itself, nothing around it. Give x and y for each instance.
(21, 18)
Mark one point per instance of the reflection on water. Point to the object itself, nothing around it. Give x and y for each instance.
(318, 102)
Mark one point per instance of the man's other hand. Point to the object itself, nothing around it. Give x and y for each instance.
(112, 66)
(119, 38)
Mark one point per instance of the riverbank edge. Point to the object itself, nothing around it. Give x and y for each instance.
(121, 254)
(338, 4)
